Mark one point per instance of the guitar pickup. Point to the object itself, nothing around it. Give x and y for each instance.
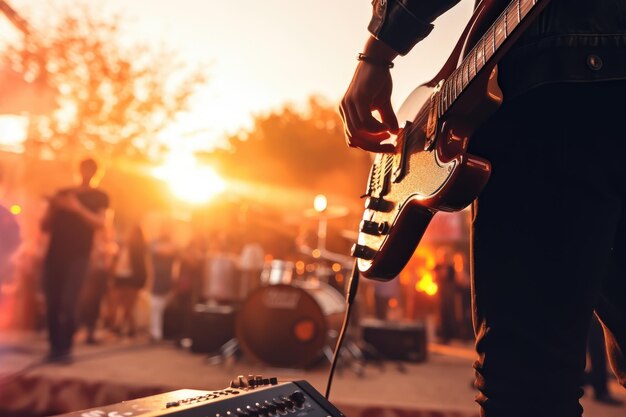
(401, 158)
(378, 204)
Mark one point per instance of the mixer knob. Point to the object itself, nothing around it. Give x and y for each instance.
(242, 413)
(288, 403)
(271, 408)
(298, 398)
(262, 410)
(280, 405)
(374, 228)
(252, 411)
(363, 252)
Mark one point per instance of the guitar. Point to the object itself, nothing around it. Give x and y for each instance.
(431, 170)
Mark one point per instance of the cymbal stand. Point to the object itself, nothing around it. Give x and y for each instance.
(228, 354)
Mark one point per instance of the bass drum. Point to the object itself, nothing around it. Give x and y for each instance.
(288, 326)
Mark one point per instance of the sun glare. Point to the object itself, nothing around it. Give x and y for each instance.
(189, 181)
(13, 131)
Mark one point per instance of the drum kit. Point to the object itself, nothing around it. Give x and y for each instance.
(292, 318)
(289, 321)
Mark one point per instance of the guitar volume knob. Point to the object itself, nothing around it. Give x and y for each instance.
(374, 228)
(363, 252)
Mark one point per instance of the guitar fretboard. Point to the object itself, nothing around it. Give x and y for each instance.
(483, 51)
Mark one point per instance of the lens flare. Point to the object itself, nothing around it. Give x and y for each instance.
(189, 181)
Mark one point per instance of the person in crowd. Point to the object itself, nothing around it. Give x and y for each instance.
(130, 276)
(446, 279)
(189, 283)
(30, 306)
(549, 241)
(99, 277)
(384, 292)
(164, 256)
(10, 242)
(72, 217)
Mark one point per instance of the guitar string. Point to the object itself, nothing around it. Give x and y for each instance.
(498, 39)
(524, 9)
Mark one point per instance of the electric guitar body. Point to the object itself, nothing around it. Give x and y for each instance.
(431, 170)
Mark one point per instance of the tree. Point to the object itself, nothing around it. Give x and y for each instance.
(303, 149)
(112, 98)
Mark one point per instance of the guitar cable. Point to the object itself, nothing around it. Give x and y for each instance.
(353, 287)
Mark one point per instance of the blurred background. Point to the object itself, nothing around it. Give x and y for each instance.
(204, 114)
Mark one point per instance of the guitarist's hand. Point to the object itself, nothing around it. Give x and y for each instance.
(369, 90)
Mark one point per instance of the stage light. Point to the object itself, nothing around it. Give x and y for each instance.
(427, 285)
(320, 203)
(15, 209)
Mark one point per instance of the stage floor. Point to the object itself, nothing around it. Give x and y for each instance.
(121, 369)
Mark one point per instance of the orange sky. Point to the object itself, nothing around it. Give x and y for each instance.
(265, 53)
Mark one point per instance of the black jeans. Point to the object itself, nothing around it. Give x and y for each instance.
(62, 284)
(549, 246)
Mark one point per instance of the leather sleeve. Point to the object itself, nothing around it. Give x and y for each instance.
(403, 23)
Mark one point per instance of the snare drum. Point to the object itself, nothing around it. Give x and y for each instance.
(277, 272)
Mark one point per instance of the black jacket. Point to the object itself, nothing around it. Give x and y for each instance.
(572, 40)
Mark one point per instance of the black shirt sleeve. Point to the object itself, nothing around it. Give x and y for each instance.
(401, 24)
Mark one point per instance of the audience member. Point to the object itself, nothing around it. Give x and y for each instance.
(72, 216)
(99, 276)
(164, 255)
(446, 280)
(130, 277)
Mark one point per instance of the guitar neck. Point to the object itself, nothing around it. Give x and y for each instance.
(489, 49)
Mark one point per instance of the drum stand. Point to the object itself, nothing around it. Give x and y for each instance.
(227, 354)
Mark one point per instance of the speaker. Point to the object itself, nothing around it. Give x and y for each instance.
(211, 327)
(397, 341)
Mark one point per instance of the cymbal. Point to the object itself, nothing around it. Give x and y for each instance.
(331, 212)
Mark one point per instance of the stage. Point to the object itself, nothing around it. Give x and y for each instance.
(118, 370)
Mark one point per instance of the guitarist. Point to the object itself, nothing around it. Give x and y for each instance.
(549, 238)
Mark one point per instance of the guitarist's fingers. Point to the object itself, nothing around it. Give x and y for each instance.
(372, 142)
(364, 119)
(378, 145)
(358, 137)
(348, 128)
(389, 118)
